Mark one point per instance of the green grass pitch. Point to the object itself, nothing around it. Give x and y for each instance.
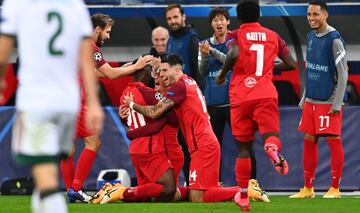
(279, 204)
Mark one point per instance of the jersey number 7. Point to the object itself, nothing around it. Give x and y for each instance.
(259, 48)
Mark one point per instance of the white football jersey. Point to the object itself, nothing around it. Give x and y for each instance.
(49, 34)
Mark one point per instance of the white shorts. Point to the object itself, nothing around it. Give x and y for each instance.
(43, 134)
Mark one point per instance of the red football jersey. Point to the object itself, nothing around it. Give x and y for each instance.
(143, 95)
(98, 56)
(253, 71)
(192, 113)
(99, 61)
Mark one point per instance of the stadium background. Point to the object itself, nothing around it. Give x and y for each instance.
(131, 37)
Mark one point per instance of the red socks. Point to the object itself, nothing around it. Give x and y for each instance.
(83, 168)
(184, 191)
(310, 160)
(139, 193)
(243, 171)
(67, 171)
(337, 161)
(220, 194)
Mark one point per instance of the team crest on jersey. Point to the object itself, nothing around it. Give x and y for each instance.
(98, 56)
(158, 96)
(250, 82)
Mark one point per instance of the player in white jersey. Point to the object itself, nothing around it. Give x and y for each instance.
(53, 43)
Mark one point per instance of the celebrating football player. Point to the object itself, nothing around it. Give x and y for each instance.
(74, 178)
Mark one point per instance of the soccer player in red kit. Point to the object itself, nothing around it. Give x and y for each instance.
(172, 146)
(185, 97)
(153, 168)
(169, 130)
(253, 96)
(322, 101)
(75, 178)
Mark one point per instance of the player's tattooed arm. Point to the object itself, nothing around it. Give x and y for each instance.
(155, 111)
(152, 111)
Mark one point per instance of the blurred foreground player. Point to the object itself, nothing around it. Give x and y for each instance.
(48, 96)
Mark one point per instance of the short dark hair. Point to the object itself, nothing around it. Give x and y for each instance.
(172, 6)
(248, 11)
(137, 73)
(173, 59)
(322, 4)
(218, 11)
(101, 20)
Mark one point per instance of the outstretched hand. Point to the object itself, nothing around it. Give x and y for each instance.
(204, 47)
(155, 63)
(143, 61)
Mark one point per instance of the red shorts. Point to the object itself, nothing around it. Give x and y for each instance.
(205, 167)
(150, 167)
(176, 157)
(315, 120)
(81, 130)
(250, 116)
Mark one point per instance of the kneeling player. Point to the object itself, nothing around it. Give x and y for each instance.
(153, 168)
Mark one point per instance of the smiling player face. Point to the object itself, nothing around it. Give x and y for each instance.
(103, 35)
(317, 17)
(167, 74)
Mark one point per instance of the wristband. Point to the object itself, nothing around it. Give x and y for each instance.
(131, 105)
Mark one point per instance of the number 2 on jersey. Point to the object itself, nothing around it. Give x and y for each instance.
(59, 21)
(259, 48)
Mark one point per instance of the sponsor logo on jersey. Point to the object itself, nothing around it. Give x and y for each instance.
(170, 93)
(317, 67)
(214, 74)
(250, 82)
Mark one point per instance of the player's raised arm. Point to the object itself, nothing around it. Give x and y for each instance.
(115, 72)
(152, 111)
